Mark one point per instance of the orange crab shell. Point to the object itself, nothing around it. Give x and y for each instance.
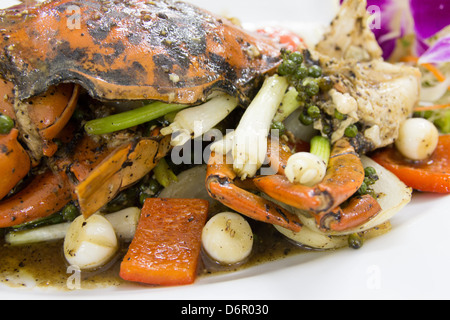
(131, 50)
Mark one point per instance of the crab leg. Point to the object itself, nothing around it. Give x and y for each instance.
(43, 117)
(46, 194)
(223, 184)
(97, 174)
(15, 162)
(345, 175)
(121, 168)
(47, 115)
(59, 118)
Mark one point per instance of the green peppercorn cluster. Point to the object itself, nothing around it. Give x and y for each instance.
(306, 76)
(303, 73)
(370, 178)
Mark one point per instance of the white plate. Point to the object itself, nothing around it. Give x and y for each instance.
(410, 262)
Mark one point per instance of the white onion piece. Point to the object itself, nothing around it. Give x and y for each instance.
(394, 195)
(250, 140)
(190, 184)
(299, 130)
(313, 239)
(418, 139)
(305, 168)
(194, 122)
(227, 238)
(36, 235)
(434, 93)
(125, 222)
(90, 243)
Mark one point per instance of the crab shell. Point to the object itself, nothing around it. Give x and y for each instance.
(131, 50)
(116, 50)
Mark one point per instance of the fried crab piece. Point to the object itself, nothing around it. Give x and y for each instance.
(113, 51)
(368, 92)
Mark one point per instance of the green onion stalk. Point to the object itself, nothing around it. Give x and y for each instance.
(309, 168)
(163, 174)
(441, 118)
(321, 147)
(132, 118)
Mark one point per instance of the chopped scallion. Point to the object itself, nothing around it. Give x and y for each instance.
(289, 104)
(131, 118)
(163, 174)
(321, 147)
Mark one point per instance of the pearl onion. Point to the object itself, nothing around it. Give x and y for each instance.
(90, 243)
(227, 238)
(418, 139)
(305, 168)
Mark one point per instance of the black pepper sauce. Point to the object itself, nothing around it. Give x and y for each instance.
(44, 264)
(39, 263)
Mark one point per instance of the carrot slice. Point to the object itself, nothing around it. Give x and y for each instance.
(432, 175)
(429, 66)
(431, 108)
(166, 247)
(410, 59)
(435, 71)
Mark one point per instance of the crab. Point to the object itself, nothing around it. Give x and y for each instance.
(332, 202)
(54, 53)
(335, 202)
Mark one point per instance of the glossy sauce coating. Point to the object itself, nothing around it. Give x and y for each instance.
(133, 50)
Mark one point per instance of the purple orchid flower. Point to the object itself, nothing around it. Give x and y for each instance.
(423, 18)
(438, 53)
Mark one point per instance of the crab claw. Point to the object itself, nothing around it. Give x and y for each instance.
(359, 210)
(15, 162)
(49, 192)
(223, 184)
(324, 201)
(38, 122)
(97, 173)
(345, 175)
